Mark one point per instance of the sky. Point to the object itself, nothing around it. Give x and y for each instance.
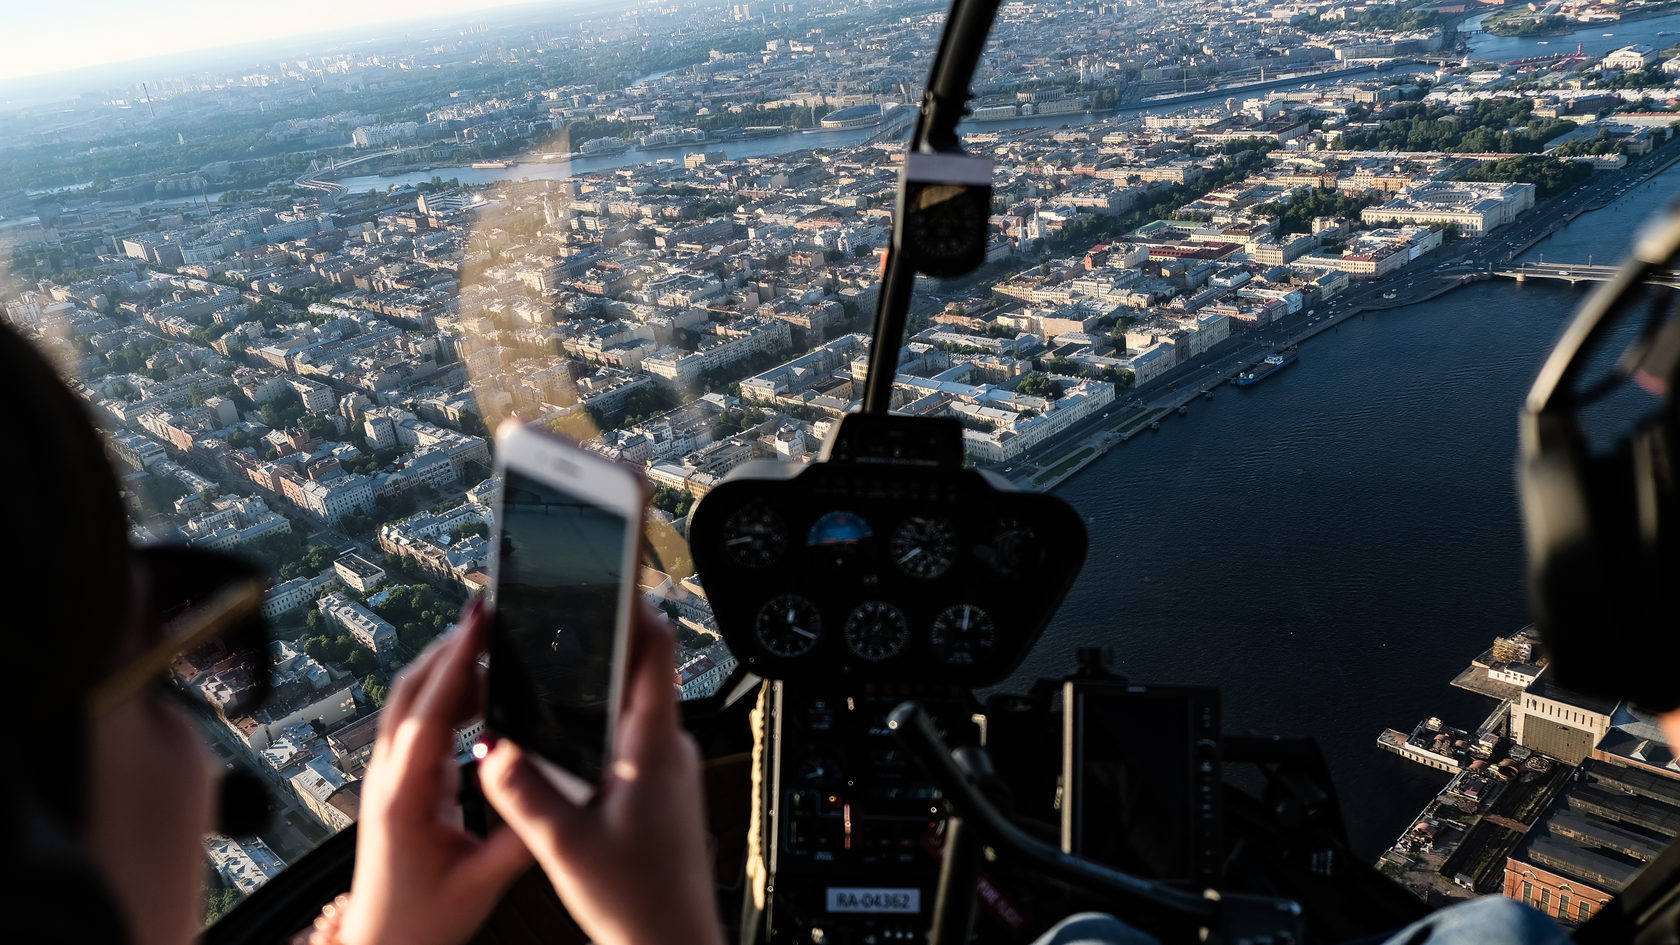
(40, 37)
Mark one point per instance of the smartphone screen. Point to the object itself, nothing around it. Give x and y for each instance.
(559, 580)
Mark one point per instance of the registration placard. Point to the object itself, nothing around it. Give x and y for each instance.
(863, 899)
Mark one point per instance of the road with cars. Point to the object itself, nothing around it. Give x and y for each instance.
(1457, 263)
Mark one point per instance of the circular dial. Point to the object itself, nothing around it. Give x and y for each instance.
(788, 625)
(960, 632)
(876, 630)
(754, 536)
(922, 547)
(1013, 550)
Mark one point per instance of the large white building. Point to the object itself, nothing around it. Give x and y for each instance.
(292, 594)
(1634, 58)
(365, 626)
(1564, 724)
(1474, 208)
(335, 498)
(242, 864)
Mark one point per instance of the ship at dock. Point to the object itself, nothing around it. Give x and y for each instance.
(1269, 365)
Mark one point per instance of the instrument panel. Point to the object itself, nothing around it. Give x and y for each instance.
(882, 572)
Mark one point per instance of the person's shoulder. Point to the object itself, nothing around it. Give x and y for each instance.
(1490, 920)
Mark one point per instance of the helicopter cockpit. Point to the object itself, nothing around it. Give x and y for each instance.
(869, 780)
(887, 761)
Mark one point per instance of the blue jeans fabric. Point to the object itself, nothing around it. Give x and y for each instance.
(1491, 920)
(1094, 928)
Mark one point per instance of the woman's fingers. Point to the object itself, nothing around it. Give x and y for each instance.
(650, 702)
(449, 685)
(499, 858)
(421, 736)
(411, 679)
(544, 818)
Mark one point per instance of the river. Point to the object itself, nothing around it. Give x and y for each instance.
(1597, 39)
(768, 146)
(1333, 546)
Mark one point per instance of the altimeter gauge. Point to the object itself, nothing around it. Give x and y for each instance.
(921, 547)
(755, 536)
(876, 630)
(961, 632)
(788, 625)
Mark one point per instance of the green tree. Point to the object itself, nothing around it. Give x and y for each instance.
(1039, 384)
(375, 691)
(467, 529)
(1297, 213)
(321, 428)
(360, 662)
(220, 903)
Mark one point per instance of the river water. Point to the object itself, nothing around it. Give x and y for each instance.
(768, 146)
(1333, 546)
(1595, 40)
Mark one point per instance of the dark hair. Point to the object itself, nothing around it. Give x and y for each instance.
(68, 563)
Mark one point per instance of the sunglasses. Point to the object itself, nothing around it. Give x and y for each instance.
(203, 608)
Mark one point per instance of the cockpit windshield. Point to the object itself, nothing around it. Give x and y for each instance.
(1259, 290)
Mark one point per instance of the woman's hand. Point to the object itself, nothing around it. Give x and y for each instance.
(631, 865)
(420, 878)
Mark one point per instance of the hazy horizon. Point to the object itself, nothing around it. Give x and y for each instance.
(45, 43)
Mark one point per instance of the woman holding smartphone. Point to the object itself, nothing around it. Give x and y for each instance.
(112, 806)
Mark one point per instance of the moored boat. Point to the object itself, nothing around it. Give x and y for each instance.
(1269, 365)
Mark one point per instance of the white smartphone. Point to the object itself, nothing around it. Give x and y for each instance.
(568, 526)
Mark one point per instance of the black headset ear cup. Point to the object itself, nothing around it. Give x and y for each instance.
(1558, 525)
(1601, 566)
(47, 869)
(242, 804)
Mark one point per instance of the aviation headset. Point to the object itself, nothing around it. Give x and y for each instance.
(1602, 530)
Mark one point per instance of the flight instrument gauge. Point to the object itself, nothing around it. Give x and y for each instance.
(788, 625)
(922, 547)
(755, 536)
(1013, 550)
(960, 632)
(876, 630)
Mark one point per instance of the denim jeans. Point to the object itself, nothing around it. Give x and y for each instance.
(1491, 920)
(1094, 928)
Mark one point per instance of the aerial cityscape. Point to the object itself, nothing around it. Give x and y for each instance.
(299, 290)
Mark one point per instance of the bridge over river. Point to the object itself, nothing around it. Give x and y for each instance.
(315, 178)
(1573, 273)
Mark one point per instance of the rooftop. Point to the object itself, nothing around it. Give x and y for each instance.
(1547, 688)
